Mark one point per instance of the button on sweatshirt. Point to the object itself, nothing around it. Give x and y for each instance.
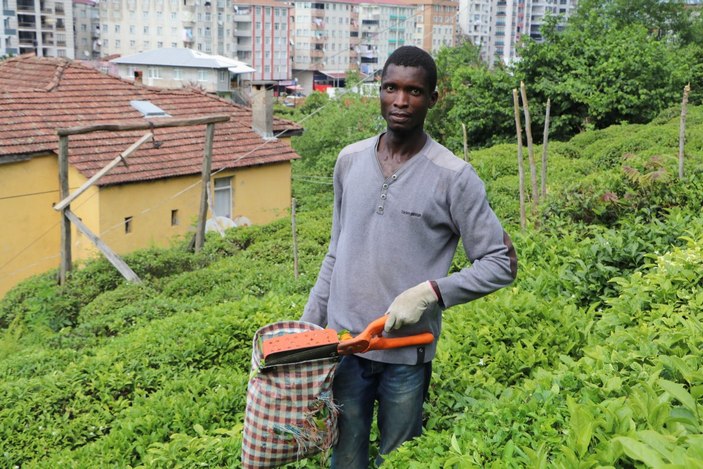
(390, 234)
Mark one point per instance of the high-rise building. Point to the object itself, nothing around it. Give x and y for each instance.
(86, 22)
(436, 23)
(44, 27)
(475, 21)
(497, 26)
(385, 26)
(262, 35)
(332, 37)
(9, 42)
(253, 31)
(132, 26)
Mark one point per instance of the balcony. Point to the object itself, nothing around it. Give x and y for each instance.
(25, 5)
(26, 21)
(246, 47)
(27, 38)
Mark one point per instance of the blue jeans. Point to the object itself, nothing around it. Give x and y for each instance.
(357, 385)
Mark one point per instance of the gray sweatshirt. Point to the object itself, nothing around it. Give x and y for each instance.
(390, 234)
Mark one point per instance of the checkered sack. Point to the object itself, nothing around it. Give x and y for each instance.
(290, 413)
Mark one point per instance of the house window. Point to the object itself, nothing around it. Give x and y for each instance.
(223, 197)
(128, 224)
(174, 217)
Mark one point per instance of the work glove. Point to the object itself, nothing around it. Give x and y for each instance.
(409, 306)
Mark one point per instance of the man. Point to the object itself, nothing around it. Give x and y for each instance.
(402, 202)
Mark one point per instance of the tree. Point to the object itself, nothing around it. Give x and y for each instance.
(471, 94)
(607, 67)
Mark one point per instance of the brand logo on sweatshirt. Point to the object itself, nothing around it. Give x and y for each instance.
(411, 214)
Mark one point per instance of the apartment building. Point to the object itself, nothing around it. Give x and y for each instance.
(86, 20)
(255, 32)
(497, 26)
(331, 37)
(43, 27)
(262, 37)
(385, 26)
(475, 24)
(133, 26)
(436, 23)
(325, 39)
(9, 43)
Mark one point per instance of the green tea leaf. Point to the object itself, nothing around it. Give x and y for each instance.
(680, 393)
(581, 426)
(640, 452)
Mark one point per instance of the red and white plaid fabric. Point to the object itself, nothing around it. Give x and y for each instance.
(290, 413)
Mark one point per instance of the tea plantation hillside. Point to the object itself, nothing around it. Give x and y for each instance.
(593, 358)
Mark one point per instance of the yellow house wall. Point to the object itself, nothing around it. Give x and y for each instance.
(31, 239)
(262, 194)
(30, 232)
(149, 204)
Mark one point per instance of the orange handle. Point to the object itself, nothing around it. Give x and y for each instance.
(371, 339)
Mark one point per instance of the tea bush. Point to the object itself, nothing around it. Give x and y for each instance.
(591, 359)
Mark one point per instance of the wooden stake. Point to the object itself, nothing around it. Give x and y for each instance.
(530, 148)
(466, 143)
(295, 238)
(207, 165)
(545, 140)
(120, 158)
(65, 265)
(111, 256)
(682, 127)
(521, 171)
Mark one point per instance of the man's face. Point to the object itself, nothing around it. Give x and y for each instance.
(405, 98)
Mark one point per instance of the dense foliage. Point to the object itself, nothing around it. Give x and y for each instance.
(592, 358)
(615, 61)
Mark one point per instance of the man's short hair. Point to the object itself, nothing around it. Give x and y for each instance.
(411, 56)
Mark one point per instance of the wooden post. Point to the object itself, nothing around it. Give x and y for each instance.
(207, 165)
(466, 143)
(545, 140)
(682, 127)
(530, 148)
(521, 171)
(114, 259)
(121, 157)
(65, 265)
(295, 238)
(143, 125)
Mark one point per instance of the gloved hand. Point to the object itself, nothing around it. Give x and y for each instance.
(409, 306)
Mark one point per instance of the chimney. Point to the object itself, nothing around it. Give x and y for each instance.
(262, 108)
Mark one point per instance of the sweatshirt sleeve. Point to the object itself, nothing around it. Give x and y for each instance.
(488, 247)
(316, 308)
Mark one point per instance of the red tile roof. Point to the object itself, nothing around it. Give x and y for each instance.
(39, 95)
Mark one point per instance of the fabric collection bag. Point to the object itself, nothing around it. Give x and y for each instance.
(290, 413)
